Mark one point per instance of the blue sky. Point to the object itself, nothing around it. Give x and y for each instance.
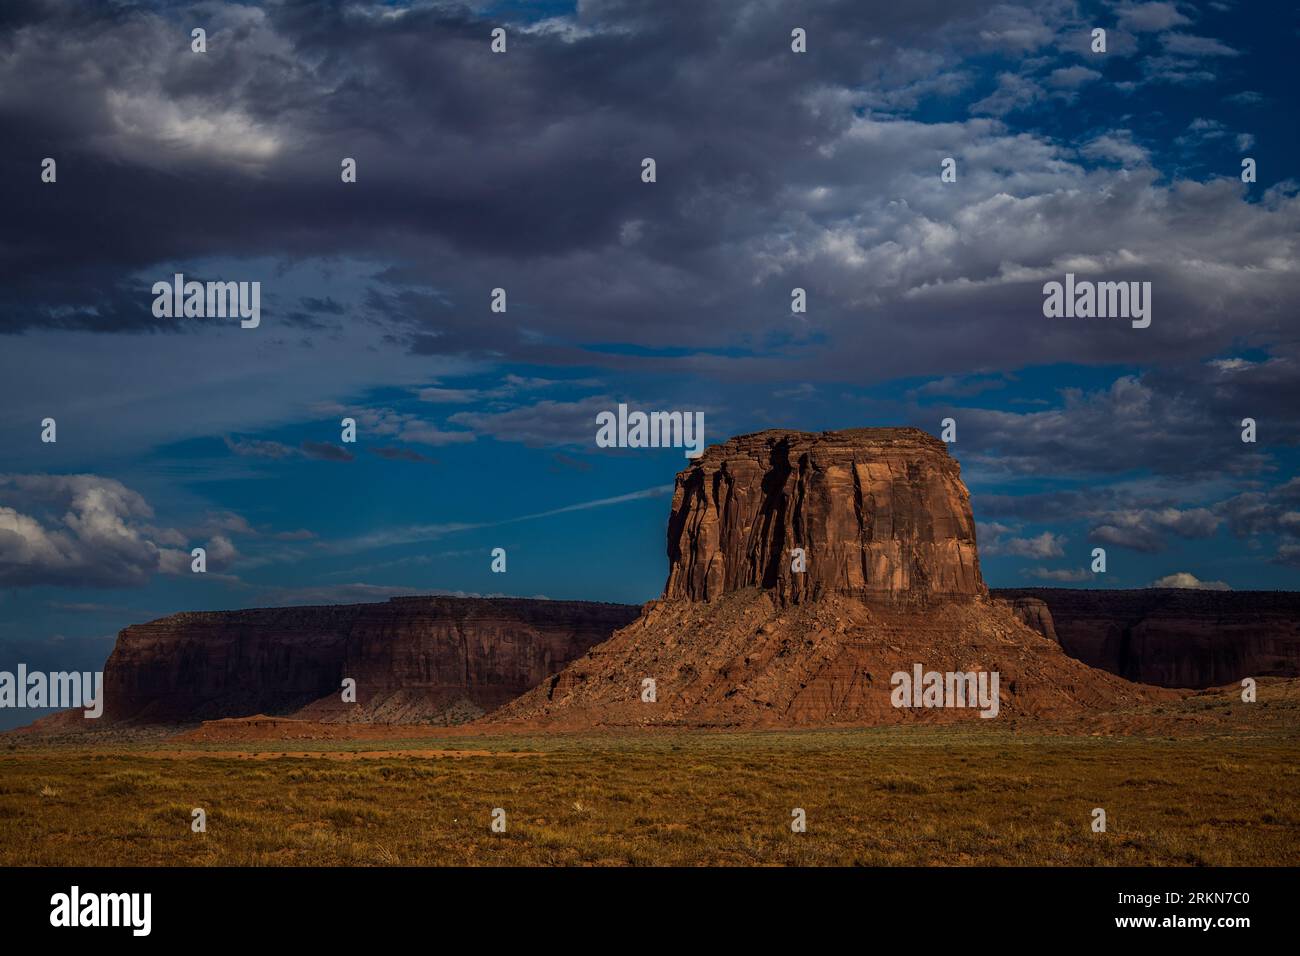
(521, 171)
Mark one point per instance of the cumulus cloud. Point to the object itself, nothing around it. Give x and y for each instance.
(1185, 579)
(1013, 92)
(1117, 146)
(1145, 530)
(1072, 77)
(91, 531)
(1046, 545)
(1016, 29)
(386, 422)
(1149, 17)
(81, 530)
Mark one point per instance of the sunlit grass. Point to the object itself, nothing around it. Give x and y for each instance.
(881, 796)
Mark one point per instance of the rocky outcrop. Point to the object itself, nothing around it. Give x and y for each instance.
(1176, 637)
(741, 638)
(1032, 612)
(421, 659)
(746, 661)
(879, 513)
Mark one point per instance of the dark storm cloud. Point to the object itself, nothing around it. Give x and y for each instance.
(1147, 529)
(775, 170)
(1274, 511)
(1053, 506)
(1182, 420)
(521, 170)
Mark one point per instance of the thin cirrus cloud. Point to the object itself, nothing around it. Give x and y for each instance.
(412, 534)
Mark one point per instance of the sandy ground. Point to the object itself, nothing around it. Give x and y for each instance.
(1193, 714)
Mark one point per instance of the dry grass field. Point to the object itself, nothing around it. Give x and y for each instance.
(1213, 791)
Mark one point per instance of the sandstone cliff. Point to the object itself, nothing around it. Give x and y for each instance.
(427, 659)
(892, 580)
(1176, 637)
(880, 513)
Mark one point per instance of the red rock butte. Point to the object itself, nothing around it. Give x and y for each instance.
(743, 635)
(880, 513)
(743, 638)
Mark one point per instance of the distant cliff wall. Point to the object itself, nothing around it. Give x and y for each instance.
(1176, 637)
(437, 659)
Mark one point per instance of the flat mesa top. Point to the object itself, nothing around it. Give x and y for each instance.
(843, 436)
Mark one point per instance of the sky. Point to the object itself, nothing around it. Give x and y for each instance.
(522, 170)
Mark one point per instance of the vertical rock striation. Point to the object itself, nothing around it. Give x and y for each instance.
(881, 514)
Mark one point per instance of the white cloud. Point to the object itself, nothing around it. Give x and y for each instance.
(1149, 17)
(1072, 77)
(1013, 93)
(79, 530)
(1184, 579)
(1040, 547)
(1144, 529)
(1117, 145)
(150, 130)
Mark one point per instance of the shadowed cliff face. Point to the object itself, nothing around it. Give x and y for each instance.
(430, 659)
(881, 514)
(1175, 637)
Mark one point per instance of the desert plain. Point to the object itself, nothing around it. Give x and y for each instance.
(1205, 780)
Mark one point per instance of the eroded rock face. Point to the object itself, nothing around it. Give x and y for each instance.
(434, 659)
(881, 514)
(1033, 612)
(1176, 637)
(739, 639)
